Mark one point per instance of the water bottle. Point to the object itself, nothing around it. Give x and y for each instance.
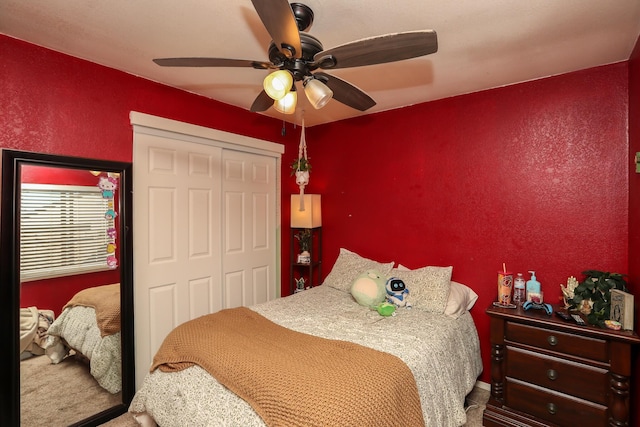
(519, 292)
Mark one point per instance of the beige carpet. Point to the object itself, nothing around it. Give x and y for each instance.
(59, 395)
(476, 402)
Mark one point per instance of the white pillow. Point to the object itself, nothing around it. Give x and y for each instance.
(349, 266)
(428, 287)
(461, 298)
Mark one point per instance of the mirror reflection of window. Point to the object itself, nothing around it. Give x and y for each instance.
(63, 230)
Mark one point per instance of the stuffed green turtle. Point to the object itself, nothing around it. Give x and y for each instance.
(369, 290)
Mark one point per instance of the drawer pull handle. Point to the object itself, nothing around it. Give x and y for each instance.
(552, 339)
(551, 408)
(552, 374)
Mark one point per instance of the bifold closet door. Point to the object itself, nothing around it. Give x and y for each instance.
(177, 243)
(249, 248)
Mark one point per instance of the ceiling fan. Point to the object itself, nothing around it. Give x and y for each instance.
(296, 56)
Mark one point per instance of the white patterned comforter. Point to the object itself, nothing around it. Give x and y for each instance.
(443, 353)
(77, 326)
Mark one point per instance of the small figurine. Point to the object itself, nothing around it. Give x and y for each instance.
(568, 291)
(300, 284)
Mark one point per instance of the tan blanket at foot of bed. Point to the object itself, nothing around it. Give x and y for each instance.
(291, 378)
(105, 300)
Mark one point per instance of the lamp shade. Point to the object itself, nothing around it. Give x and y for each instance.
(317, 92)
(311, 216)
(287, 105)
(277, 84)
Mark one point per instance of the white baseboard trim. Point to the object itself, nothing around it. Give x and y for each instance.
(483, 385)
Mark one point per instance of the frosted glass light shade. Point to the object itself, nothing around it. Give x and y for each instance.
(311, 216)
(287, 105)
(317, 92)
(278, 84)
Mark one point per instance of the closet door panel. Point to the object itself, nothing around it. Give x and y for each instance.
(249, 226)
(177, 249)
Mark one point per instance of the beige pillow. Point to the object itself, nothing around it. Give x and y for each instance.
(461, 298)
(349, 266)
(429, 287)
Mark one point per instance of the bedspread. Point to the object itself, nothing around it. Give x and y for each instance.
(442, 353)
(79, 329)
(291, 378)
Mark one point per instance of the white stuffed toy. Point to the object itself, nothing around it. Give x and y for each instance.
(397, 292)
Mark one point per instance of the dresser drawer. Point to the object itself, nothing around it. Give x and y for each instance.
(554, 407)
(572, 378)
(576, 345)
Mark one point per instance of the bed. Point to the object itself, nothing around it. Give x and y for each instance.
(435, 341)
(89, 325)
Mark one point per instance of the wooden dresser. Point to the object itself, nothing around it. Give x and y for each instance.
(547, 371)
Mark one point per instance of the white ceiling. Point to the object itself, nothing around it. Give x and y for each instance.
(482, 43)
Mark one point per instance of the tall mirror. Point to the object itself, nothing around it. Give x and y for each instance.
(66, 290)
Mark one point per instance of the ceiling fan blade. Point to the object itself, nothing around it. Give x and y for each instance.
(212, 62)
(379, 49)
(261, 103)
(278, 19)
(347, 93)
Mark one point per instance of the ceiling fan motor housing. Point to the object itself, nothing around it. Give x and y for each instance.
(299, 67)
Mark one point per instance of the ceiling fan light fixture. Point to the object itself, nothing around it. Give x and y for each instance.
(277, 84)
(317, 92)
(287, 105)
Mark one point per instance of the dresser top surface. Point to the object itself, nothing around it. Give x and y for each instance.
(539, 317)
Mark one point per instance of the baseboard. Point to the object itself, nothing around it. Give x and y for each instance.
(483, 385)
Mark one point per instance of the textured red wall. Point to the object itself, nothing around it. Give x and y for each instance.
(634, 202)
(533, 175)
(53, 103)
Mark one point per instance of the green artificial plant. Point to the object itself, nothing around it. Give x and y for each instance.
(300, 164)
(593, 295)
(304, 238)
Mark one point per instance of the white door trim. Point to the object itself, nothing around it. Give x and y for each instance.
(203, 135)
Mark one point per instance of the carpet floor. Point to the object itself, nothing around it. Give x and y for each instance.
(59, 395)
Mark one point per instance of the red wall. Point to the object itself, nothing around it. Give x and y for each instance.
(53, 103)
(634, 198)
(534, 175)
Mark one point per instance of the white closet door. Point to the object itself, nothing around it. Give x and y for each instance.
(177, 235)
(249, 228)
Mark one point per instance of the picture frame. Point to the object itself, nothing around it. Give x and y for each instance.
(622, 308)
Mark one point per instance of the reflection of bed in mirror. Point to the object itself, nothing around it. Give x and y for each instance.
(84, 338)
(89, 327)
(71, 339)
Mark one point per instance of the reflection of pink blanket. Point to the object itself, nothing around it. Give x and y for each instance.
(105, 300)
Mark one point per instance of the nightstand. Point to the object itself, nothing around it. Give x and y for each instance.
(312, 270)
(547, 371)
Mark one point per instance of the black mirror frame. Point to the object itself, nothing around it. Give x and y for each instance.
(10, 279)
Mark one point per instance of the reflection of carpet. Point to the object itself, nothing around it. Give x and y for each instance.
(62, 394)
